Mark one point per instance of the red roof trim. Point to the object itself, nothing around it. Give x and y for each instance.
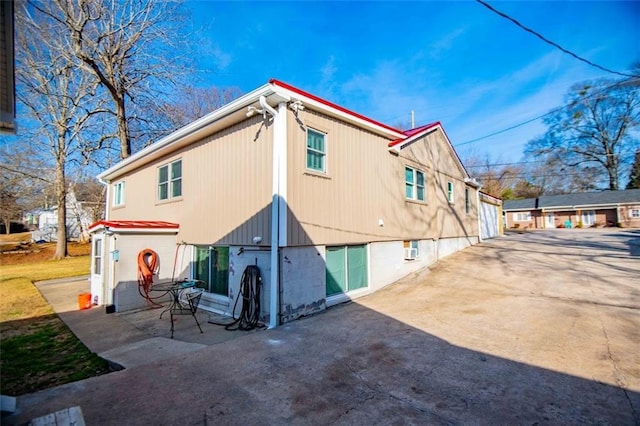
(413, 132)
(135, 224)
(331, 104)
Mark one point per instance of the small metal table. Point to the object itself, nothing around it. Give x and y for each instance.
(184, 298)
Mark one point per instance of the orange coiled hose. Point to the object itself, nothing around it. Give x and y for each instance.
(147, 267)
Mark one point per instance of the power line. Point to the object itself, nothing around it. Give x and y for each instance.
(554, 110)
(515, 163)
(546, 40)
(512, 127)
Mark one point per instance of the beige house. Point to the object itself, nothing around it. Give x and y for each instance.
(329, 204)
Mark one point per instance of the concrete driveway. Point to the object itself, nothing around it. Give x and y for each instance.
(536, 328)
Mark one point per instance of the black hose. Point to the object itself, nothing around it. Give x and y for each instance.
(249, 317)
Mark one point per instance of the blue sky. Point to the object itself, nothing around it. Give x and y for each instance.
(453, 62)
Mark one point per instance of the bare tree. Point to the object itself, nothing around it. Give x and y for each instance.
(134, 48)
(497, 177)
(62, 101)
(193, 103)
(24, 183)
(595, 130)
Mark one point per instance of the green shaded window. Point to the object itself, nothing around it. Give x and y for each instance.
(118, 194)
(450, 192)
(212, 267)
(346, 269)
(467, 201)
(170, 180)
(414, 184)
(316, 151)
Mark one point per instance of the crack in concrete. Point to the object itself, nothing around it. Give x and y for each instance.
(617, 374)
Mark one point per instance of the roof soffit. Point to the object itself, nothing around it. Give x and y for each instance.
(274, 92)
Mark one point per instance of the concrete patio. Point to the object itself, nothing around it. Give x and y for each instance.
(532, 328)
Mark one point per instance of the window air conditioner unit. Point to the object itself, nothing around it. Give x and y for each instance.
(410, 253)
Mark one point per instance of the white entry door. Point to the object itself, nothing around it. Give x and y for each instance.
(97, 270)
(550, 221)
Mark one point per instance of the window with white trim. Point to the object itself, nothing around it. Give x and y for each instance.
(634, 213)
(522, 217)
(118, 194)
(316, 151)
(414, 184)
(588, 217)
(411, 249)
(450, 192)
(170, 180)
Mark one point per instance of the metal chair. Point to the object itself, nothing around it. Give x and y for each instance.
(187, 305)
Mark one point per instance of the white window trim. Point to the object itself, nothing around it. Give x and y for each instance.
(413, 245)
(588, 217)
(415, 186)
(118, 201)
(169, 181)
(324, 153)
(450, 192)
(516, 217)
(634, 213)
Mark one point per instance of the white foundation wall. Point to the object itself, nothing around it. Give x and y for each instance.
(387, 263)
(124, 283)
(447, 246)
(303, 272)
(303, 278)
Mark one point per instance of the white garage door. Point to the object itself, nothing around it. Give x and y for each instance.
(488, 220)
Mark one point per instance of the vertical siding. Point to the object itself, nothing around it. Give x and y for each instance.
(226, 188)
(364, 183)
(7, 108)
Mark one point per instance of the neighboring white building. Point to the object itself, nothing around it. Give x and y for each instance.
(78, 221)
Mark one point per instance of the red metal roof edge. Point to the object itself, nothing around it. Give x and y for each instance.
(413, 132)
(331, 104)
(135, 224)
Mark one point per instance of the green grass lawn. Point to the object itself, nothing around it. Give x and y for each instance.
(37, 350)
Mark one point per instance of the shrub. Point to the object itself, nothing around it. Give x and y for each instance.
(579, 225)
(516, 225)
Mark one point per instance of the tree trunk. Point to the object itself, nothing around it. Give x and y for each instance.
(123, 128)
(7, 226)
(61, 198)
(612, 170)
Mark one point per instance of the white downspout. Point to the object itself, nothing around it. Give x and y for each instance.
(479, 210)
(108, 195)
(278, 203)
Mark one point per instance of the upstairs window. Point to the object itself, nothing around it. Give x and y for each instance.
(414, 184)
(118, 194)
(450, 192)
(316, 151)
(170, 180)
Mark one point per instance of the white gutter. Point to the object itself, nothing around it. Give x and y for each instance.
(191, 128)
(278, 203)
